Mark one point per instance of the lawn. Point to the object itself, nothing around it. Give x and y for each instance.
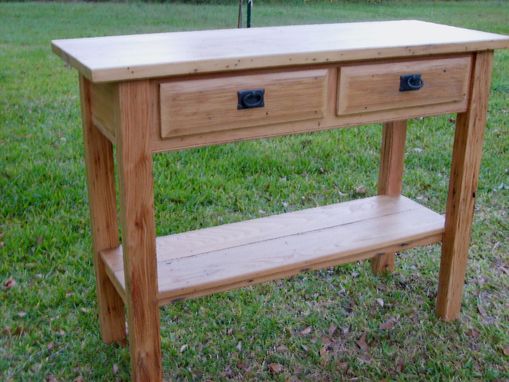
(337, 324)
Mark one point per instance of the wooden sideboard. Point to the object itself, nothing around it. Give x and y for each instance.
(171, 91)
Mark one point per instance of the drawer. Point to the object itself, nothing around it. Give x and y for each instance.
(206, 105)
(378, 87)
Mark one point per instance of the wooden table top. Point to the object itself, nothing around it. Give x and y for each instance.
(117, 58)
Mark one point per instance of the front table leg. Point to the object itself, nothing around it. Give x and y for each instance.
(390, 178)
(103, 217)
(466, 159)
(138, 230)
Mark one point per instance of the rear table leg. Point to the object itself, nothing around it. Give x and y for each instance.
(390, 178)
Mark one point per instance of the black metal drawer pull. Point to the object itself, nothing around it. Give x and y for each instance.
(410, 82)
(249, 99)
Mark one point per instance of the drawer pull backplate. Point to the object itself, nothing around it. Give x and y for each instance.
(250, 99)
(410, 82)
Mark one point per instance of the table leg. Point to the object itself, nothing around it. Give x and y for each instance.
(103, 216)
(466, 159)
(390, 178)
(138, 229)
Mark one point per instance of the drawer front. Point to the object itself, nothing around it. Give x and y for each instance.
(201, 106)
(378, 87)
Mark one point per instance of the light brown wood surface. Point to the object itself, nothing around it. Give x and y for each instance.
(169, 91)
(103, 218)
(138, 230)
(466, 161)
(196, 106)
(178, 121)
(375, 87)
(339, 259)
(390, 178)
(225, 257)
(105, 108)
(117, 58)
(330, 119)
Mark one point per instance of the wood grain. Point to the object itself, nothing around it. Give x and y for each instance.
(103, 218)
(330, 119)
(335, 261)
(119, 58)
(198, 106)
(138, 230)
(390, 178)
(466, 160)
(218, 258)
(170, 91)
(272, 227)
(392, 158)
(375, 87)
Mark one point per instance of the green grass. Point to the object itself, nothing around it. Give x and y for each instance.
(48, 322)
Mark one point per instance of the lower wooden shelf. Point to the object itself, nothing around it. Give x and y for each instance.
(209, 260)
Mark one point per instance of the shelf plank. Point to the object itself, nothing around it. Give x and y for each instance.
(219, 258)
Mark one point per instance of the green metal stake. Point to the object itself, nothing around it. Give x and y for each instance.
(249, 9)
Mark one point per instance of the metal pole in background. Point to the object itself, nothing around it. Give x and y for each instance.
(249, 10)
(249, 13)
